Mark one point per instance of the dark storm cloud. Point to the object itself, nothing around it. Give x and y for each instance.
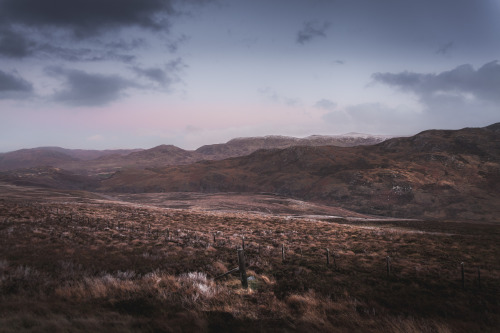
(483, 83)
(86, 18)
(86, 89)
(13, 83)
(454, 98)
(82, 54)
(312, 30)
(63, 29)
(14, 44)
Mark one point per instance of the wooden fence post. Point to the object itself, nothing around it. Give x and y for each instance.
(327, 257)
(388, 261)
(463, 274)
(478, 278)
(243, 243)
(243, 272)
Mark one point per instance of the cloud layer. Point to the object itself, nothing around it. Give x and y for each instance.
(12, 86)
(92, 32)
(88, 89)
(462, 81)
(85, 18)
(165, 66)
(13, 82)
(312, 30)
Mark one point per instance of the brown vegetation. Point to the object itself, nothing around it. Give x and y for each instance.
(72, 261)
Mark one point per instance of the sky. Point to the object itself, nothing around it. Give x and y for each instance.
(104, 74)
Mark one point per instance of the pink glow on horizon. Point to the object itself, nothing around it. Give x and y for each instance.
(210, 117)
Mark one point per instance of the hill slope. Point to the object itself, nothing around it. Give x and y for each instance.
(53, 156)
(244, 146)
(435, 174)
(105, 161)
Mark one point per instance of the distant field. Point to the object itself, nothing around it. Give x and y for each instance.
(76, 261)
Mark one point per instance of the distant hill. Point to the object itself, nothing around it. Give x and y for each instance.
(106, 161)
(244, 146)
(434, 174)
(53, 156)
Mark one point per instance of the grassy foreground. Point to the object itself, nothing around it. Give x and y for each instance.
(95, 265)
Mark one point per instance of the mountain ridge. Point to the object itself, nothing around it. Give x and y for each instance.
(96, 161)
(434, 174)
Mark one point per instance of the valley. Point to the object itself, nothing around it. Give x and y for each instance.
(400, 236)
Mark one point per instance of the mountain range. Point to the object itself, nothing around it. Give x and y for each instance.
(451, 174)
(436, 174)
(99, 161)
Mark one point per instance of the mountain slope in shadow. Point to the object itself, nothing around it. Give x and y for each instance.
(434, 174)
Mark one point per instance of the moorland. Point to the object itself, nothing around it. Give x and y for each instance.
(399, 236)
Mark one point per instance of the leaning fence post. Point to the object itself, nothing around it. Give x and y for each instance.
(243, 272)
(388, 261)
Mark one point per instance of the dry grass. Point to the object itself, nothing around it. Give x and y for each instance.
(73, 263)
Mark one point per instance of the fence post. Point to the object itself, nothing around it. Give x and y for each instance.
(327, 257)
(283, 252)
(243, 242)
(463, 274)
(478, 278)
(388, 261)
(243, 272)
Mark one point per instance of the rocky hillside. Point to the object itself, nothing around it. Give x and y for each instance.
(435, 174)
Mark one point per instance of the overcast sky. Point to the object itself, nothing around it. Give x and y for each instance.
(101, 74)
